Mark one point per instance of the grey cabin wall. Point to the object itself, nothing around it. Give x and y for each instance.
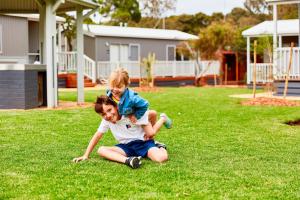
(157, 46)
(89, 47)
(33, 36)
(14, 39)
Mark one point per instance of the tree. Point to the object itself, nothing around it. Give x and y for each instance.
(120, 10)
(216, 37)
(156, 8)
(69, 30)
(288, 11)
(256, 6)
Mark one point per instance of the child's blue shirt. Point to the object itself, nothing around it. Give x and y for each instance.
(131, 103)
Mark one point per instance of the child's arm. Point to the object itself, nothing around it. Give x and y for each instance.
(140, 106)
(95, 139)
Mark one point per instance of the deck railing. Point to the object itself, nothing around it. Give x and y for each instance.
(67, 62)
(279, 70)
(160, 68)
(264, 72)
(283, 59)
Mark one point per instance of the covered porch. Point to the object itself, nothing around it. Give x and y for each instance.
(274, 66)
(47, 10)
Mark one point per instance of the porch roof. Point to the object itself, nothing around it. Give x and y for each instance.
(134, 32)
(32, 6)
(35, 17)
(284, 28)
(271, 2)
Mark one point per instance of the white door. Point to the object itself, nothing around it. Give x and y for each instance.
(124, 55)
(118, 53)
(114, 53)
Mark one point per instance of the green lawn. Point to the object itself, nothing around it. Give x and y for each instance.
(218, 149)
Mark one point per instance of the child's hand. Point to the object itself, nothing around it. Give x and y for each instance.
(82, 158)
(148, 136)
(132, 118)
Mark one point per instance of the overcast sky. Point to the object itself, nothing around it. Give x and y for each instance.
(205, 6)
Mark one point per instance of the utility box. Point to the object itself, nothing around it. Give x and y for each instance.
(22, 86)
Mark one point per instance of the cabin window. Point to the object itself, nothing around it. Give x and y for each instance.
(1, 50)
(134, 52)
(171, 52)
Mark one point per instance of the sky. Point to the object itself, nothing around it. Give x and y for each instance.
(205, 6)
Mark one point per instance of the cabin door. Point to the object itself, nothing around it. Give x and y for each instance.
(119, 53)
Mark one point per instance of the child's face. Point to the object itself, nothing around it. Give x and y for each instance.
(117, 91)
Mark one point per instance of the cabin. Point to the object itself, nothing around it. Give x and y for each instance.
(21, 80)
(274, 68)
(109, 47)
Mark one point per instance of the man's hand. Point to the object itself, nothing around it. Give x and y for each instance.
(132, 118)
(82, 158)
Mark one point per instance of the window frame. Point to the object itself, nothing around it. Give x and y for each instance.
(1, 39)
(167, 52)
(139, 51)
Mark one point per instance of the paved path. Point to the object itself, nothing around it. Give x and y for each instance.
(266, 94)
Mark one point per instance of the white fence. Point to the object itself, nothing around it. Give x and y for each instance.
(160, 68)
(264, 72)
(283, 58)
(67, 62)
(209, 67)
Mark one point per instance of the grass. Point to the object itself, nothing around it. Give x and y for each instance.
(218, 149)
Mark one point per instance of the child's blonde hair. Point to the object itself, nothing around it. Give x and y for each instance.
(119, 78)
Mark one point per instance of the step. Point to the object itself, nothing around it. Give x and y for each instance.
(292, 90)
(289, 90)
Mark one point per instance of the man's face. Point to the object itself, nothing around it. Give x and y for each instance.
(110, 113)
(117, 91)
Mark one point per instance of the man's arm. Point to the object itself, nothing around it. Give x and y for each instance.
(95, 139)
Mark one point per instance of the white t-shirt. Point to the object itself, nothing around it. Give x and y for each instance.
(123, 130)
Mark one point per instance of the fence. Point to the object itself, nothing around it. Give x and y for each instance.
(283, 58)
(264, 72)
(160, 68)
(67, 62)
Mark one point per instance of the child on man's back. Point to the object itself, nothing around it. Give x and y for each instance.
(131, 105)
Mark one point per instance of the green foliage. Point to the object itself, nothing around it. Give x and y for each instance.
(120, 11)
(69, 30)
(217, 149)
(265, 47)
(288, 11)
(216, 37)
(157, 8)
(256, 6)
(147, 64)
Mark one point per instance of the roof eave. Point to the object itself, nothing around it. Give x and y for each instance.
(278, 2)
(87, 4)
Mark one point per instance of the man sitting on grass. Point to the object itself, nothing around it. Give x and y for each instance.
(132, 144)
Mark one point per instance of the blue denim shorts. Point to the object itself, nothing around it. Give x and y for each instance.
(137, 147)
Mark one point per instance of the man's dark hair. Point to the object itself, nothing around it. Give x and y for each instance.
(103, 99)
